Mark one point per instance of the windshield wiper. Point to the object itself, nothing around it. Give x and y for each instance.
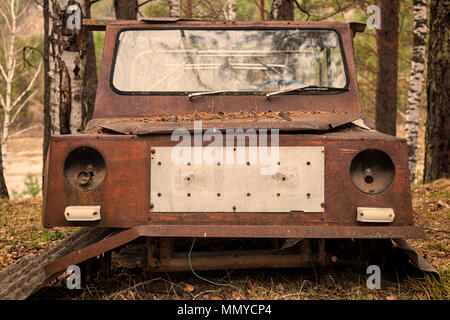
(206, 93)
(305, 88)
(268, 95)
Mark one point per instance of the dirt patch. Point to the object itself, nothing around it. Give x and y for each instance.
(24, 158)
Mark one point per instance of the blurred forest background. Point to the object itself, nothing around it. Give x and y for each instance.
(23, 163)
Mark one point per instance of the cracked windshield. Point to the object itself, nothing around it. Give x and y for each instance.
(249, 61)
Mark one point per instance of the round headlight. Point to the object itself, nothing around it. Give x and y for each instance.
(372, 171)
(84, 169)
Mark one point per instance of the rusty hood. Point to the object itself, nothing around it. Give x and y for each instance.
(283, 121)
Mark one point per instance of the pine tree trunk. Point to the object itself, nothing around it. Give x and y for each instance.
(174, 8)
(3, 189)
(261, 10)
(437, 136)
(188, 8)
(387, 66)
(281, 10)
(415, 83)
(126, 9)
(71, 73)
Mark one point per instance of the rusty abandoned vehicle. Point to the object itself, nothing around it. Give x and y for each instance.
(338, 190)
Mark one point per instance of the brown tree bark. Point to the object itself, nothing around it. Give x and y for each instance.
(188, 8)
(261, 10)
(437, 135)
(281, 10)
(3, 189)
(387, 67)
(70, 69)
(126, 9)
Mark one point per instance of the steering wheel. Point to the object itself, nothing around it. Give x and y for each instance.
(279, 81)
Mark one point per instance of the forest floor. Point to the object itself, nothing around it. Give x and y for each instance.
(21, 233)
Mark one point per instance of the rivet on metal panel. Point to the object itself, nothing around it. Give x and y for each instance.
(308, 195)
(159, 194)
(153, 151)
(152, 205)
(234, 208)
(188, 194)
(278, 195)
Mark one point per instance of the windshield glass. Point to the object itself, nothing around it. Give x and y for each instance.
(247, 61)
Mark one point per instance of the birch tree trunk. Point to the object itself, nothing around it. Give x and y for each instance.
(281, 10)
(70, 68)
(437, 135)
(229, 10)
(174, 8)
(415, 83)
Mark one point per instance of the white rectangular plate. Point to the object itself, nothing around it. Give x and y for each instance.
(296, 183)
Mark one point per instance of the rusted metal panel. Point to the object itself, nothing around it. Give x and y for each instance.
(125, 195)
(111, 104)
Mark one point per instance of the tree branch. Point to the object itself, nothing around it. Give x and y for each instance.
(3, 73)
(30, 85)
(25, 61)
(8, 23)
(2, 101)
(22, 106)
(299, 7)
(144, 3)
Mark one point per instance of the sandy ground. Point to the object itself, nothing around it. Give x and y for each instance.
(24, 157)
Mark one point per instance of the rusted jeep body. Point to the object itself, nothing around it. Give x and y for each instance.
(336, 177)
